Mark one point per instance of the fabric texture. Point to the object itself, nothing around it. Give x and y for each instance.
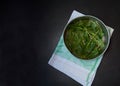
(82, 71)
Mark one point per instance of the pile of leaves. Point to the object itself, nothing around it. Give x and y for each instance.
(84, 38)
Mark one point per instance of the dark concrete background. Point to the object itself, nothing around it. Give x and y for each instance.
(30, 30)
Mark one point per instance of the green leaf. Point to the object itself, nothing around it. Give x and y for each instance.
(84, 38)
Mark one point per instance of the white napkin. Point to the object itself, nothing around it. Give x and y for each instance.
(82, 71)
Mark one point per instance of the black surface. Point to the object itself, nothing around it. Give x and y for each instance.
(29, 32)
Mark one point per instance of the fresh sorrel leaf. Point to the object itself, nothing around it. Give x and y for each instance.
(84, 38)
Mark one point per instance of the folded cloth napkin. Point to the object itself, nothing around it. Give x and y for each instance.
(82, 71)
